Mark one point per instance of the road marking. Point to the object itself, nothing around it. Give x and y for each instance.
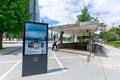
(8, 61)
(10, 70)
(67, 57)
(58, 61)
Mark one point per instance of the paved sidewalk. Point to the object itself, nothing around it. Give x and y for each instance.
(65, 66)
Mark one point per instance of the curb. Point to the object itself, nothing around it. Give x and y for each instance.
(85, 53)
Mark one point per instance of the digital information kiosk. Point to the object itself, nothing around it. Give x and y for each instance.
(35, 47)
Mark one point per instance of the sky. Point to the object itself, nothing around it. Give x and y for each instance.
(60, 12)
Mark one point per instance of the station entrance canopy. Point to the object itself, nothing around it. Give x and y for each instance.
(78, 29)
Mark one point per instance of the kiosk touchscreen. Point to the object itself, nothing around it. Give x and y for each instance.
(35, 39)
(35, 48)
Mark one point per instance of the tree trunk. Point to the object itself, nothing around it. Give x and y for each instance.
(21, 36)
(1, 36)
(17, 38)
(6, 36)
(10, 37)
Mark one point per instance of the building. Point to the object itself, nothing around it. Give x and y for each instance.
(34, 8)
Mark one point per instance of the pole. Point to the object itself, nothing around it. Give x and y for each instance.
(84, 3)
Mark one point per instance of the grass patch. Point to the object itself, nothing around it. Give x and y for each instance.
(10, 42)
(113, 43)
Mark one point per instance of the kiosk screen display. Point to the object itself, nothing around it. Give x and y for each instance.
(35, 38)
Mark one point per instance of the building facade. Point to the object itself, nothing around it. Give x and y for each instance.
(34, 8)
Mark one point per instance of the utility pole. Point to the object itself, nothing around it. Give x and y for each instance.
(84, 3)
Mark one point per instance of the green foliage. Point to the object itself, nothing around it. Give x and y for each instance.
(101, 27)
(83, 38)
(102, 35)
(110, 35)
(67, 38)
(85, 16)
(113, 43)
(117, 30)
(13, 13)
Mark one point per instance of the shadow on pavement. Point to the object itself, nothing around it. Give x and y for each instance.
(55, 70)
(11, 50)
(100, 53)
(49, 71)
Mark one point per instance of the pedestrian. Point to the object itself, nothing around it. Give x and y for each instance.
(55, 43)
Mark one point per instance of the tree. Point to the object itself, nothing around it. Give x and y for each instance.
(101, 27)
(109, 35)
(13, 13)
(118, 31)
(84, 16)
(102, 35)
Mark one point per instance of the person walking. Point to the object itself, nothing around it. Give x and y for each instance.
(55, 43)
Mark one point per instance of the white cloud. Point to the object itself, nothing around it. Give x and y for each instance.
(65, 11)
(108, 10)
(60, 10)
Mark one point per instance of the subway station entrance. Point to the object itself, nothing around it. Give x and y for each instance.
(77, 29)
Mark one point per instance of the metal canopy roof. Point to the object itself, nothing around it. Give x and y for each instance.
(77, 28)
